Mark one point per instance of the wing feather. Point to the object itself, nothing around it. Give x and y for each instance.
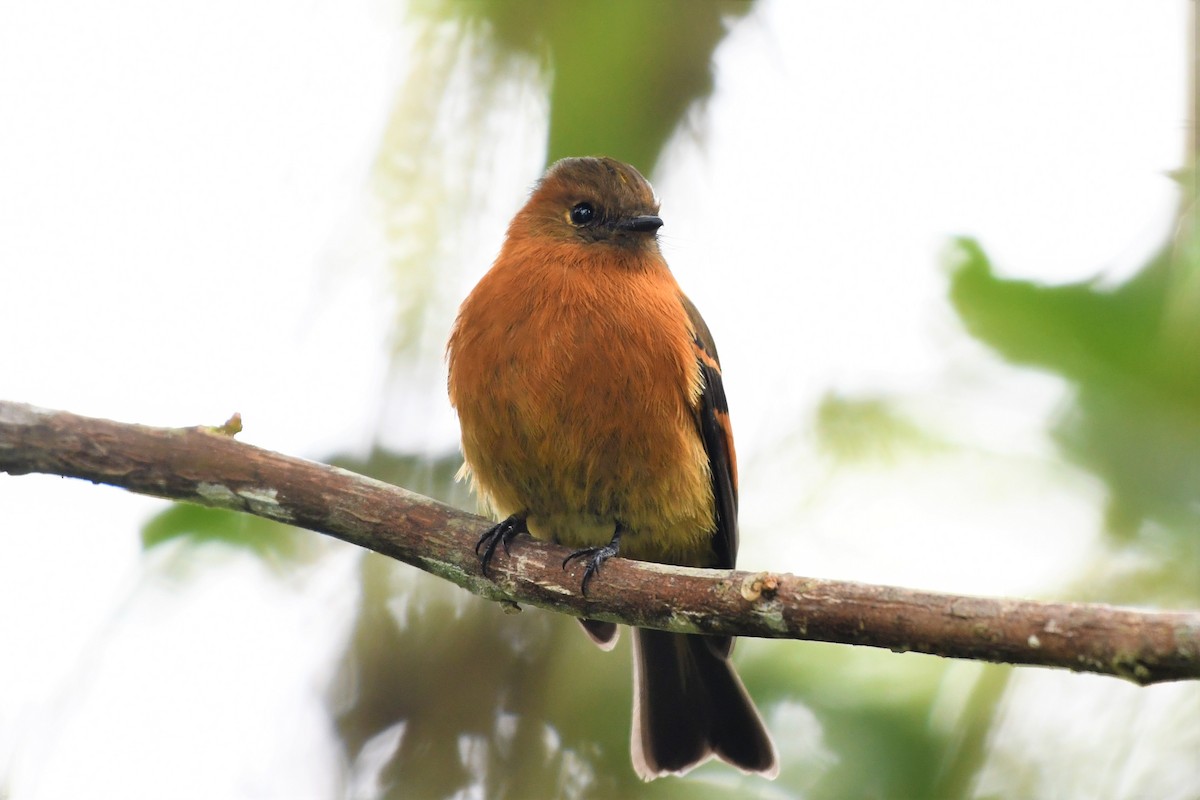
(712, 418)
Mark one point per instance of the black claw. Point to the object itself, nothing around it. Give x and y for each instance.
(500, 533)
(595, 556)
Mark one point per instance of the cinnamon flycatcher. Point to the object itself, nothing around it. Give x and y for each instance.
(593, 414)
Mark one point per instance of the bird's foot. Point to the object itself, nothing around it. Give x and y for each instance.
(499, 534)
(594, 557)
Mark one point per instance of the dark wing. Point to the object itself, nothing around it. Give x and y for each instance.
(712, 418)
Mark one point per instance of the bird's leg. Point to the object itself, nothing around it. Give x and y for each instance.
(596, 556)
(501, 533)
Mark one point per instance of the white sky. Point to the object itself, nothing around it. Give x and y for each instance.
(184, 233)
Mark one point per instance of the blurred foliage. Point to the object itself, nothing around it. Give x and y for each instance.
(275, 542)
(473, 692)
(1132, 353)
(854, 429)
(886, 725)
(428, 475)
(623, 74)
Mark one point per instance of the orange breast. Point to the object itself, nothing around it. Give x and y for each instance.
(575, 381)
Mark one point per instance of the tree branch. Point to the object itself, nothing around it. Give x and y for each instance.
(207, 466)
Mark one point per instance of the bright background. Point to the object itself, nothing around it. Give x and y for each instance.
(274, 208)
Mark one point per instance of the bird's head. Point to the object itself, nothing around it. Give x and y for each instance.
(592, 200)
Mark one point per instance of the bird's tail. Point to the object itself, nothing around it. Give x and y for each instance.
(690, 705)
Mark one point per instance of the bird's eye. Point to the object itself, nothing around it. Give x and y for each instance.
(581, 214)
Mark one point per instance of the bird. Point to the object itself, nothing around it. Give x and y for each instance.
(593, 414)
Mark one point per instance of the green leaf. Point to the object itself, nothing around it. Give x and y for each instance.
(199, 524)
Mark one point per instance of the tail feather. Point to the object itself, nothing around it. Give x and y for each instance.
(602, 634)
(689, 705)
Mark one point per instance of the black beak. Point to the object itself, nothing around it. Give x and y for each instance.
(643, 224)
